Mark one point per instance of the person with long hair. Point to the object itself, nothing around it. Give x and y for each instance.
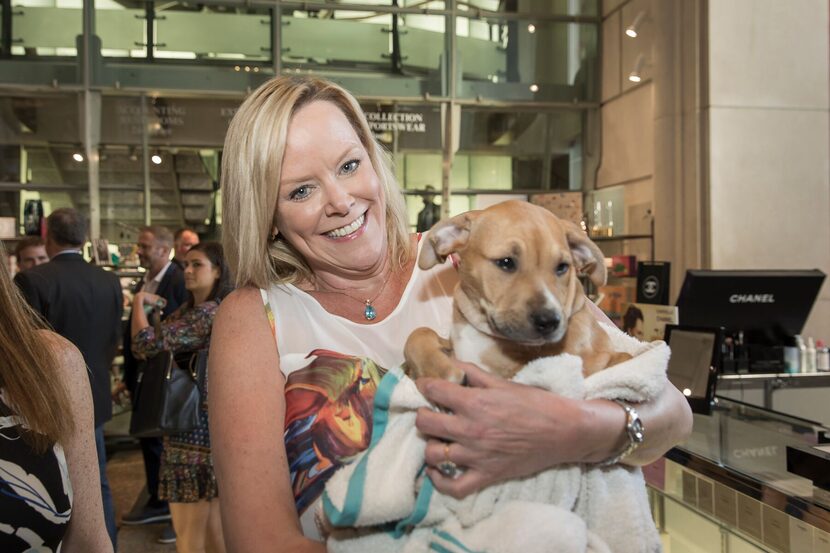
(50, 497)
(315, 230)
(187, 479)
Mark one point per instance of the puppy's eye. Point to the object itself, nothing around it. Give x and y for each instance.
(562, 268)
(507, 264)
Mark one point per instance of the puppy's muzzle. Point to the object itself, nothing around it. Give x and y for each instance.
(545, 321)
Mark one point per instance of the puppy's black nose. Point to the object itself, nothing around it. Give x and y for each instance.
(545, 321)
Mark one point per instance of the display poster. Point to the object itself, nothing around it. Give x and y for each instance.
(647, 322)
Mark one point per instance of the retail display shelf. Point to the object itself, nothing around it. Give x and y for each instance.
(622, 237)
(816, 377)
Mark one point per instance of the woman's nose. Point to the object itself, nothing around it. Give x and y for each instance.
(340, 201)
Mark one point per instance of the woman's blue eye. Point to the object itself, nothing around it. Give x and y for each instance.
(562, 268)
(300, 192)
(350, 166)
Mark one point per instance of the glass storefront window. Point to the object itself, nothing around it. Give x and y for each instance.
(46, 30)
(122, 27)
(520, 150)
(535, 7)
(311, 38)
(421, 4)
(527, 60)
(187, 32)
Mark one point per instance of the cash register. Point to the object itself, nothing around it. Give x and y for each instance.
(760, 312)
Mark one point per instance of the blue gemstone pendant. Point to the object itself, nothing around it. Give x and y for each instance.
(369, 312)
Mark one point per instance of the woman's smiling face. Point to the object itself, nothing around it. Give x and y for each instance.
(331, 206)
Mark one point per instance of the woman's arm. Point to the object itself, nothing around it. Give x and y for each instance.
(186, 329)
(247, 414)
(138, 318)
(502, 430)
(86, 531)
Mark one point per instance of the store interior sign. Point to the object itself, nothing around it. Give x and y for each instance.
(384, 121)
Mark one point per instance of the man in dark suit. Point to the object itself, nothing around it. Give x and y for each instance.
(83, 303)
(163, 278)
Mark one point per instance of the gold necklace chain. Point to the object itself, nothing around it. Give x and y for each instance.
(369, 311)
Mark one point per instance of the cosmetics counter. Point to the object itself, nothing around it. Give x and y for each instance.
(748, 479)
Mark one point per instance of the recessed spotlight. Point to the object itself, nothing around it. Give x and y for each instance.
(687, 392)
(534, 88)
(77, 156)
(531, 28)
(635, 75)
(156, 158)
(633, 30)
(236, 68)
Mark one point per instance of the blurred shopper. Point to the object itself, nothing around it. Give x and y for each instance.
(82, 303)
(48, 435)
(431, 213)
(184, 239)
(164, 279)
(30, 252)
(187, 478)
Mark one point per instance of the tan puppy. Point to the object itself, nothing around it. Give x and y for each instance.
(519, 296)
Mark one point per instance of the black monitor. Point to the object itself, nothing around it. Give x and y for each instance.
(694, 363)
(770, 307)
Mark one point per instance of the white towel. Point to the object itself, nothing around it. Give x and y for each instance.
(570, 508)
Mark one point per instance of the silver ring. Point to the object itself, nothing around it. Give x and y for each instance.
(448, 469)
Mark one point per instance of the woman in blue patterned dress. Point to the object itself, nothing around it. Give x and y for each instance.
(187, 479)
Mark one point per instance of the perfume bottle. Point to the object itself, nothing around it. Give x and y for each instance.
(610, 228)
(597, 228)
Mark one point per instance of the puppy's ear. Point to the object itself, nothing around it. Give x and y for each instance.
(588, 258)
(446, 237)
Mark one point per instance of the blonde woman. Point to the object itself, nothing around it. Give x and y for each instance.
(315, 231)
(50, 495)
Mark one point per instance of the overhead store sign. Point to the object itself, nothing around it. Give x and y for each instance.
(395, 121)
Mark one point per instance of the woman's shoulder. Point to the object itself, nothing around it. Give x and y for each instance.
(66, 353)
(244, 306)
(69, 362)
(243, 298)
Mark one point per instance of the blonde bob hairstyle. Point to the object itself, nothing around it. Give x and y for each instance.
(251, 168)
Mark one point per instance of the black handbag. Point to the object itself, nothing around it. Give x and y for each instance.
(168, 394)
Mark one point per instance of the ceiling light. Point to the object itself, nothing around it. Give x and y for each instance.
(156, 158)
(77, 156)
(534, 88)
(634, 29)
(635, 75)
(531, 28)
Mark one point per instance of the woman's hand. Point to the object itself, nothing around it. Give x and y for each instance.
(499, 430)
(145, 298)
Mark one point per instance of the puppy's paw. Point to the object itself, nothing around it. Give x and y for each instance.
(429, 355)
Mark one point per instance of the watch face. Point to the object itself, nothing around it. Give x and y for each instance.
(636, 431)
